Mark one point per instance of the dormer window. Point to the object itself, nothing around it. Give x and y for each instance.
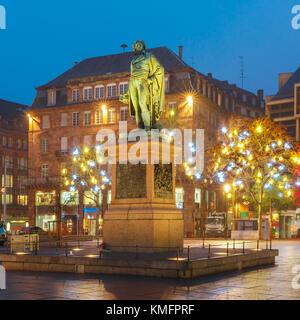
(52, 98)
(166, 84)
(87, 93)
(75, 95)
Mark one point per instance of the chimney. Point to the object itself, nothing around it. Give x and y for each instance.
(209, 75)
(124, 46)
(180, 52)
(260, 95)
(75, 63)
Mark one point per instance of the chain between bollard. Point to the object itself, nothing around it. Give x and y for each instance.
(66, 246)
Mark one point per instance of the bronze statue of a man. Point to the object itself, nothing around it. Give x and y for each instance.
(146, 90)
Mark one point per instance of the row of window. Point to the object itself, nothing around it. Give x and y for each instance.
(65, 142)
(101, 116)
(22, 163)
(22, 199)
(49, 199)
(97, 92)
(8, 142)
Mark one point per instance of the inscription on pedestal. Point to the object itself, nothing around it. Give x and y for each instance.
(131, 181)
(163, 181)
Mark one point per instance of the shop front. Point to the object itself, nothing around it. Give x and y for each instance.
(45, 210)
(90, 222)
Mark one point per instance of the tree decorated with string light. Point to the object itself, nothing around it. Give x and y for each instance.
(85, 172)
(255, 158)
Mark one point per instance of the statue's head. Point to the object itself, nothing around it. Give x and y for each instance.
(139, 47)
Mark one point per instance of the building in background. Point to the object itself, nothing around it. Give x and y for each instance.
(69, 111)
(14, 163)
(284, 108)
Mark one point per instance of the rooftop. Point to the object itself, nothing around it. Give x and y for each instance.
(10, 109)
(115, 63)
(287, 90)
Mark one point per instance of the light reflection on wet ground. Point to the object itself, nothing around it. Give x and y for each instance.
(266, 283)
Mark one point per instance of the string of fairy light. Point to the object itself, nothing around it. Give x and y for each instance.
(99, 180)
(276, 173)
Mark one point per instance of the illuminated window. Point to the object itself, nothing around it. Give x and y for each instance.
(112, 115)
(198, 195)
(98, 117)
(179, 196)
(69, 198)
(89, 198)
(9, 198)
(9, 181)
(22, 200)
(45, 199)
(109, 197)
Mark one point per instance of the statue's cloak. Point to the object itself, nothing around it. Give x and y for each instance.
(156, 90)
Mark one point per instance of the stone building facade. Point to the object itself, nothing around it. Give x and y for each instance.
(14, 163)
(71, 109)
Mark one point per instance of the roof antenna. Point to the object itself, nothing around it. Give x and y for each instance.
(124, 46)
(242, 74)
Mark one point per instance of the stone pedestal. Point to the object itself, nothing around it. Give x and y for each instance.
(142, 211)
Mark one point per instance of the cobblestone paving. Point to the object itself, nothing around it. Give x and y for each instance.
(256, 284)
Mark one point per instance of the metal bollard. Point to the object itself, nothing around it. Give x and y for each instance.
(35, 251)
(2, 277)
(227, 249)
(233, 244)
(257, 244)
(189, 253)
(209, 251)
(177, 253)
(243, 246)
(66, 245)
(270, 244)
(266, 244)
(203, 244)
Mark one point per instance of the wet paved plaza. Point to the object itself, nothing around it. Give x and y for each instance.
(268, 283)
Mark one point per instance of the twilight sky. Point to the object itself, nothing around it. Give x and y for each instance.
(44, 38)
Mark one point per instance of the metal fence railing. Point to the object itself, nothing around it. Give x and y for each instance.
(93, 248)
